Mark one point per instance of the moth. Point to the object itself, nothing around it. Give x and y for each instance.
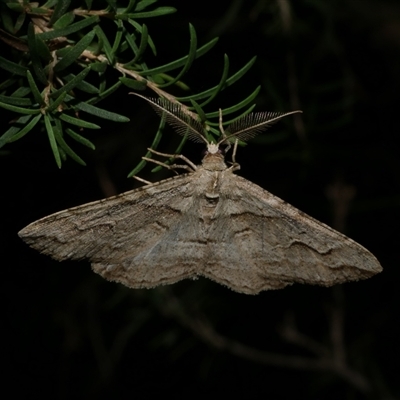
(207, 222)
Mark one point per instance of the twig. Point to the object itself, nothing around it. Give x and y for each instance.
(202, 329)
(291, 334)
(286, 17)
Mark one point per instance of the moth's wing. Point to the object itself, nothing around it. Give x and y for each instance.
(133, 238)
(265, 243)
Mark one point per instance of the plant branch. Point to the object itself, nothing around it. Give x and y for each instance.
(171, 307)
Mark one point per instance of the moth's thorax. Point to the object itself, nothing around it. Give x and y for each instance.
(214, 162)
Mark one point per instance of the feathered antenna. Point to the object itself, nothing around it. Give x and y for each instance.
(174, 114)
(250, 125)
(243, 129)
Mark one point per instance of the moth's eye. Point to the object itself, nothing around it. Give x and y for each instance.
(222, 150)
(204, 152)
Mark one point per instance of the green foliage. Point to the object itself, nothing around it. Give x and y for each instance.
(62, 61)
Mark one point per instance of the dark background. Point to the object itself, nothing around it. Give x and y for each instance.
(69, 333)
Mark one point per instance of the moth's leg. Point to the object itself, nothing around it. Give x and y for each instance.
(234, 151)
(172, 167)
(180, 156)
(234, 167)
(221, 128)
(142, 180)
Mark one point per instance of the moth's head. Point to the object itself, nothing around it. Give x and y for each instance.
(212, 148)
(213, 157)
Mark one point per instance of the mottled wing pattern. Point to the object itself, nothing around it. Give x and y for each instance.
(229, 230)
(264, 243)
(133, 238)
